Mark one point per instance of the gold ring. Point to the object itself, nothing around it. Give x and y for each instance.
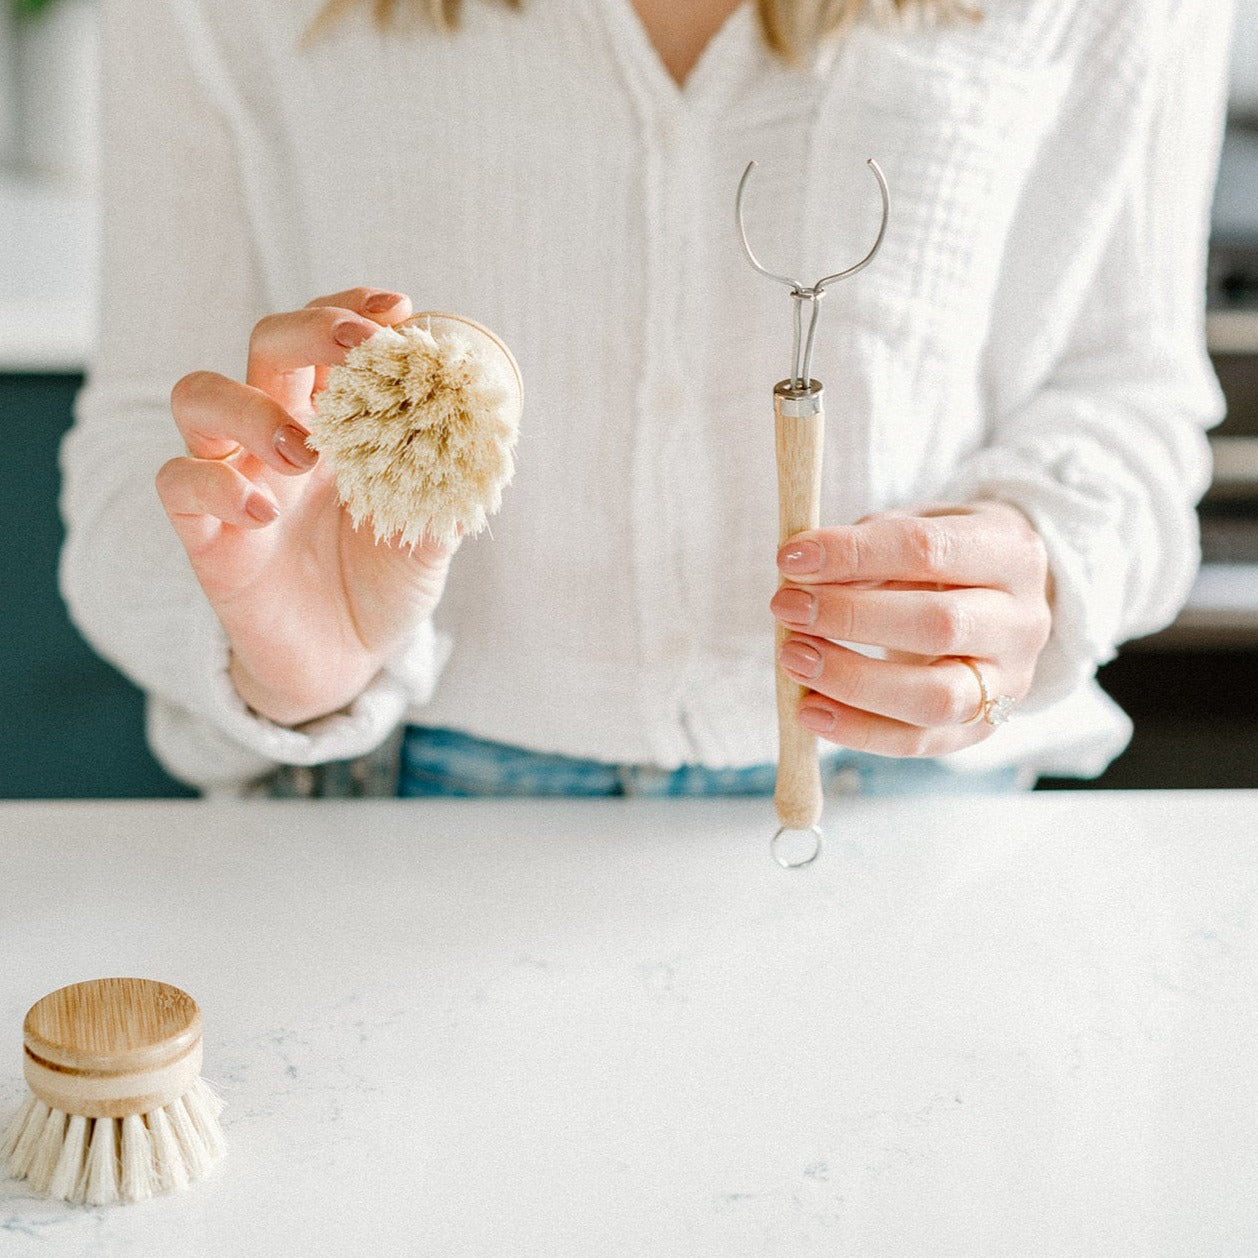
(994, 711)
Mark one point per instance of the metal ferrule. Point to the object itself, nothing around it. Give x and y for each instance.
(794, 403)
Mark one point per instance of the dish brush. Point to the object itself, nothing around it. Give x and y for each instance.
(419, 425)
(117, 1109)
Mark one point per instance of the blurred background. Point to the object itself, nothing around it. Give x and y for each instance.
(70, 726)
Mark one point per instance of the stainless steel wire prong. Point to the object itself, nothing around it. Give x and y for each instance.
(801, 343)
(794, 285)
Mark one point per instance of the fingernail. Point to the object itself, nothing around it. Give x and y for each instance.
(796, 607)
(351, 334)
(382, 301)
(261, 509)
(801, 660)
(798, 558)
(290, 441)
(819, 720)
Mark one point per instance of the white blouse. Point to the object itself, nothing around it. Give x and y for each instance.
(1032, 330)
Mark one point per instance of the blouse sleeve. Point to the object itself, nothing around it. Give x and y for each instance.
(181, 291)
(1098, 378)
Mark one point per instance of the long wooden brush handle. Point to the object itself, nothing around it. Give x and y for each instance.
(799, 423)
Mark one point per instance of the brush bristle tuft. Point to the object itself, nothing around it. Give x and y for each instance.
(168, 1164)
(69, 1175)
(98, 1161)
(203, 1106)
(196, 1158)
(22, 1135)
(420, 430)
(137, 1178)
(48, 1151)
(101, 1188)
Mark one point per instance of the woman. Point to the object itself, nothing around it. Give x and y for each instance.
(1017, 387)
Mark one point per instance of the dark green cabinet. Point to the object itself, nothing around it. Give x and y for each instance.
(73, 727)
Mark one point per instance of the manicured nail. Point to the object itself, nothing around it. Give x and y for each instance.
(819, 720)
(801, 660)
(798, 558)
(795, 607)
(290, 441)
(351, 334)
(261, 509)
(381, 302)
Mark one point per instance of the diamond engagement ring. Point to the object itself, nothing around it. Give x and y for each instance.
(994, 711)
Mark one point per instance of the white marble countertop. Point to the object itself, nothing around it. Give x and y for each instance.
(1019, 1027)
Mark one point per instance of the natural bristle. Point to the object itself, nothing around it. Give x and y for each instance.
(136, 1170)
(69, 1176)
(102, 1163)
(420, 427)
(47, 1151)
(99, 1161)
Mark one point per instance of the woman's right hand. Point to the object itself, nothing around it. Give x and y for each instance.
(311, 606)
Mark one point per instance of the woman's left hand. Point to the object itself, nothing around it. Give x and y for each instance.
(932, 588)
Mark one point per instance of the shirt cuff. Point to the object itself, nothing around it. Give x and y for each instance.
(217, 743)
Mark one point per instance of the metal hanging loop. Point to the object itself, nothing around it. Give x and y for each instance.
(800, 379)
(796, 860)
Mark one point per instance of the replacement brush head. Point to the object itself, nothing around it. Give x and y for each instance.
(420, 424)
(117, 1110)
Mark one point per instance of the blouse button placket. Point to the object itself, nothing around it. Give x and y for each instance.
(659, 495)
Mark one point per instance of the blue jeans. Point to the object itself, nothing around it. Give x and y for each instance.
(446, 763)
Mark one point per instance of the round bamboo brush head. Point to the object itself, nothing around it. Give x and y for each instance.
(117, 1110)
(419, 424)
